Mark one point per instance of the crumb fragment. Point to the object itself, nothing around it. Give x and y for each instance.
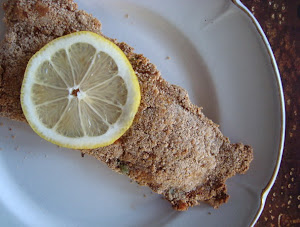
(272, 217)
(266, 219)
(126, 15)
(273, 16)
(279, 219)
(168, 58)
(41, 8)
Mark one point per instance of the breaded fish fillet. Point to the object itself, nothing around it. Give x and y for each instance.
(171, 146)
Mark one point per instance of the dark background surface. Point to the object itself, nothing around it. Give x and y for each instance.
(280, 20)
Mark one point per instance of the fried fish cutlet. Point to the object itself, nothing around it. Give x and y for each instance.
(171, 146)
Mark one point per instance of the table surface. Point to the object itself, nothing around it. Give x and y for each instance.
(280, 20)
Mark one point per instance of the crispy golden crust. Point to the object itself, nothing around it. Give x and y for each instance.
(171, 147)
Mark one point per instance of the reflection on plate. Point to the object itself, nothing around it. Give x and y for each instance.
(220, 55)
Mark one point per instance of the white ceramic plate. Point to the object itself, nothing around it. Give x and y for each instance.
(219, 54)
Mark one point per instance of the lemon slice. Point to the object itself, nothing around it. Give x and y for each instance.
(80, 91)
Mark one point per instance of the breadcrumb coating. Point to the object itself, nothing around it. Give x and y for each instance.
(171, 146)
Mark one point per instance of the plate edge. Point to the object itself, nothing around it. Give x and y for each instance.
(271, 182)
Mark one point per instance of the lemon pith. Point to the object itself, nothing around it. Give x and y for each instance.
(80, 91)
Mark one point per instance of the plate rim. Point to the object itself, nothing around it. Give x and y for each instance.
(267, 45)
